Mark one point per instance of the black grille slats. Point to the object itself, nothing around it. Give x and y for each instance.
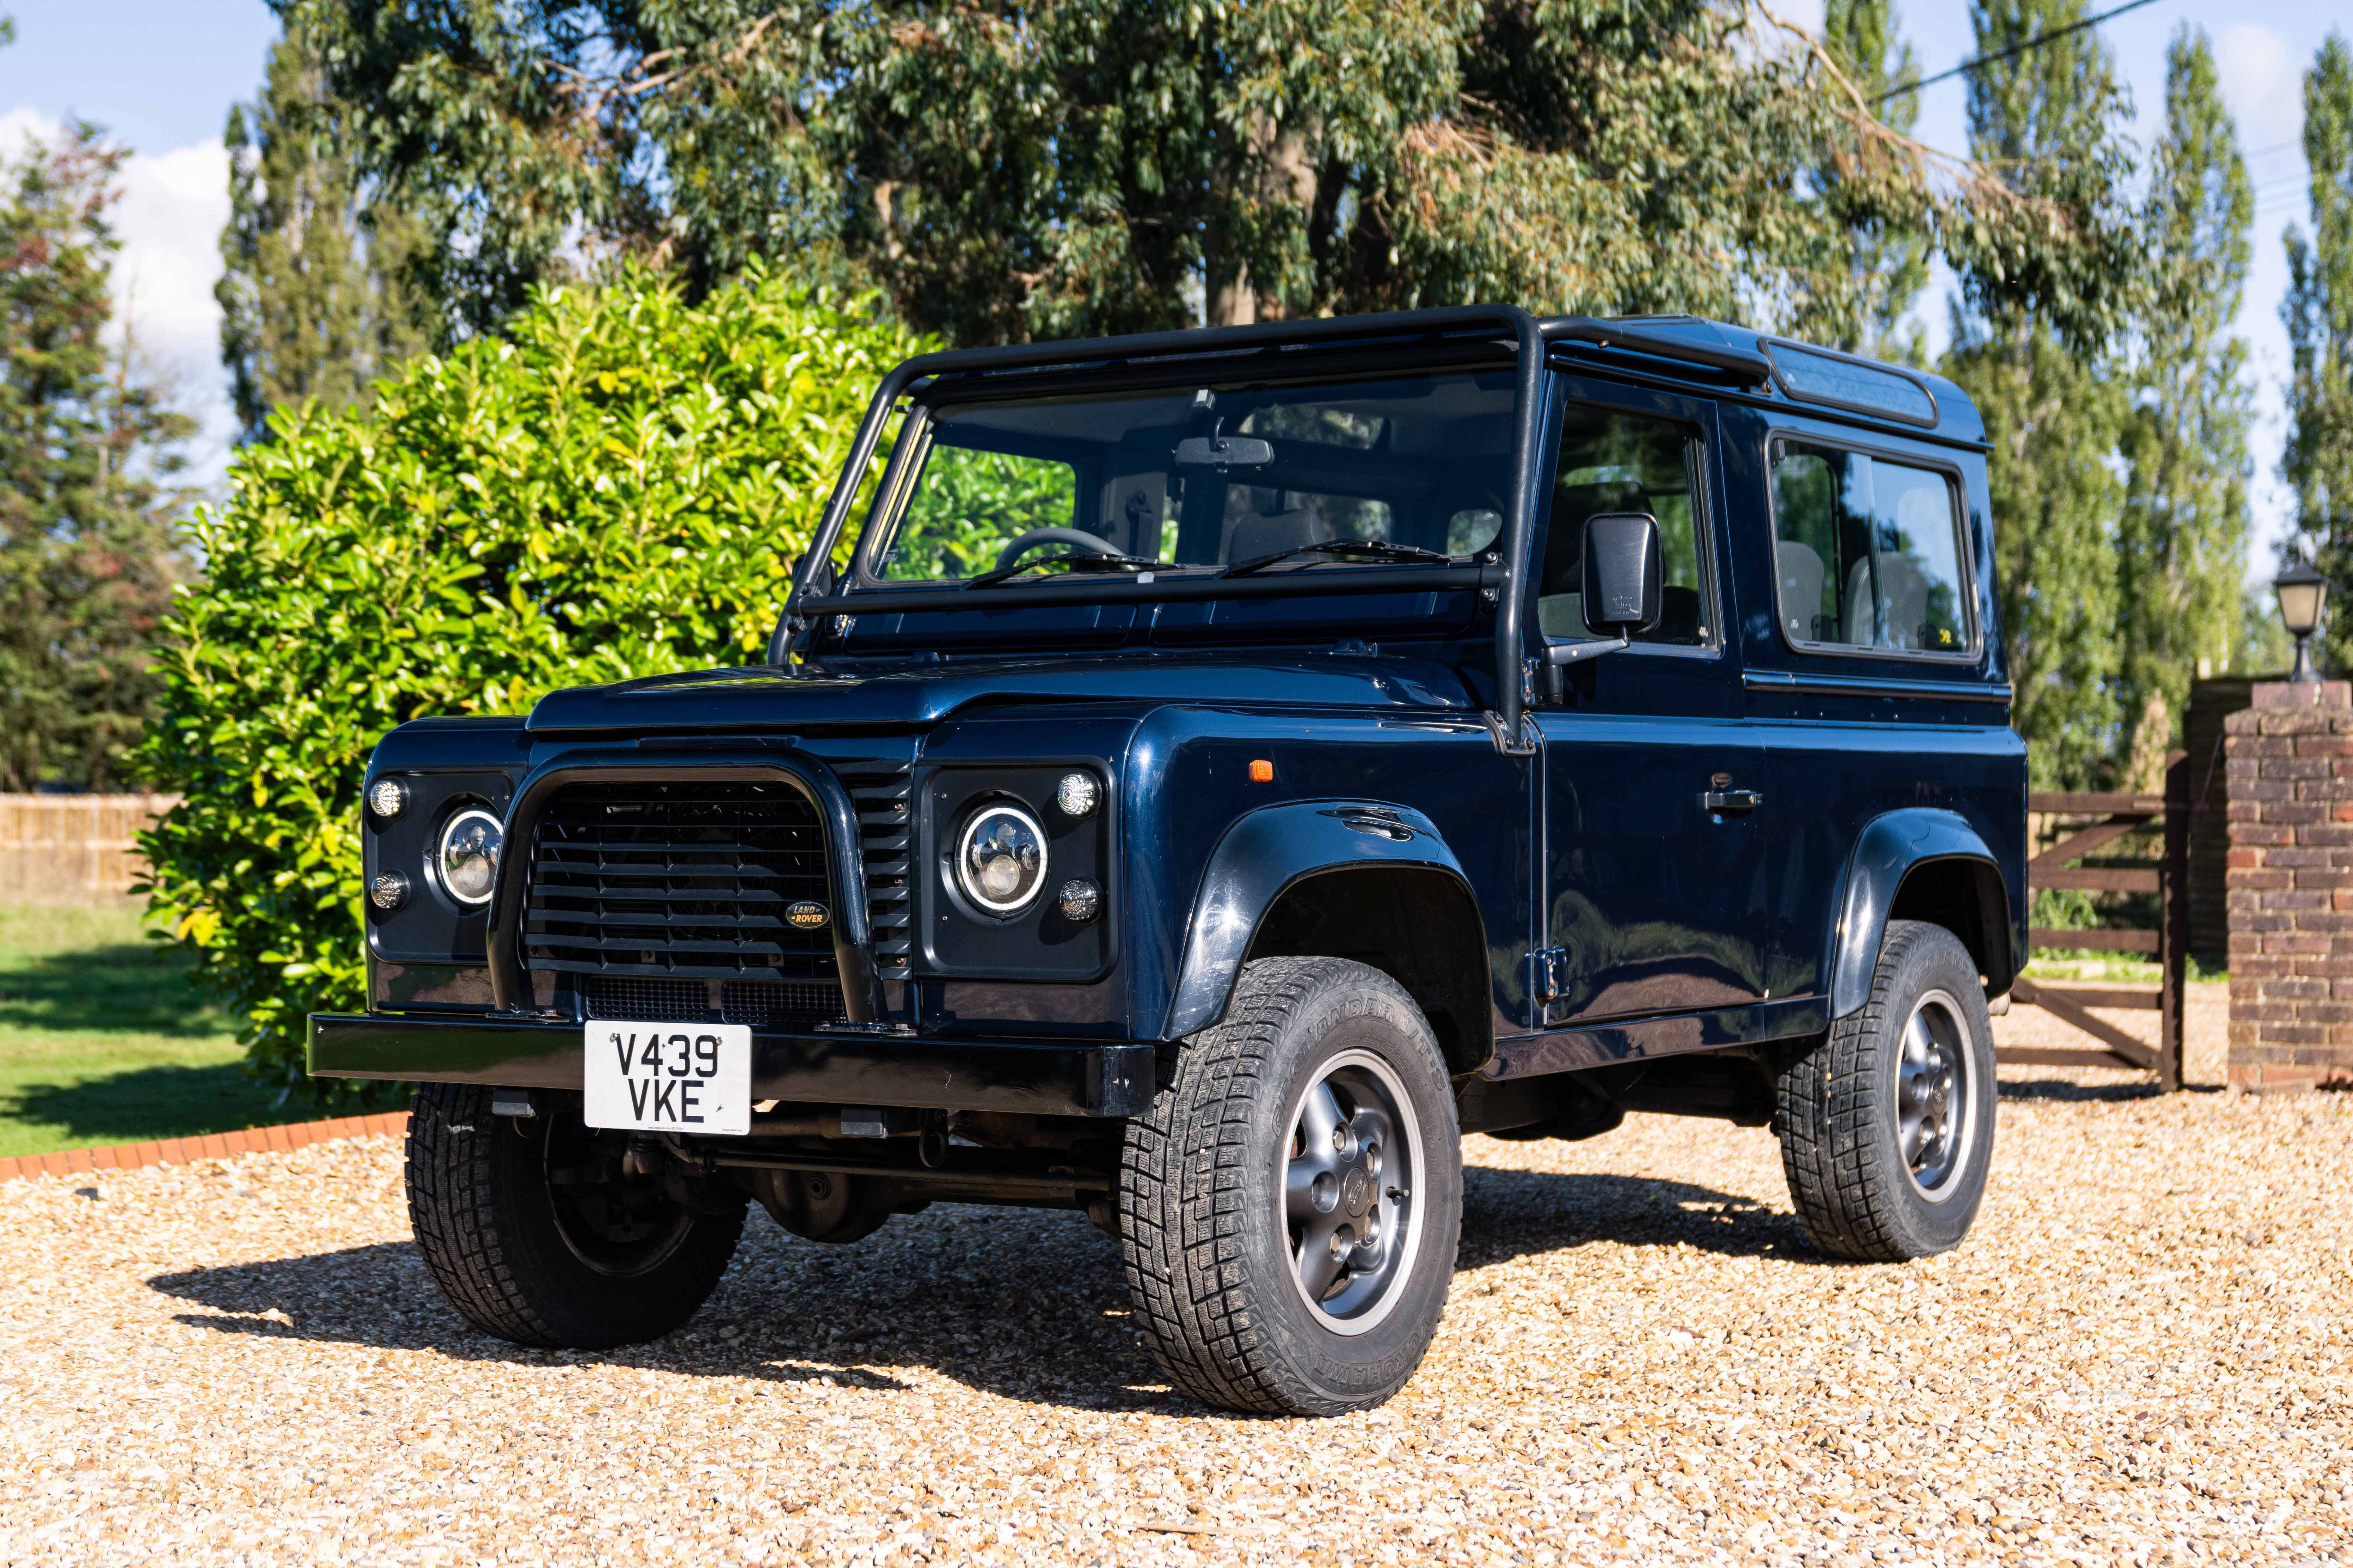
(685, 879)
(880, 788)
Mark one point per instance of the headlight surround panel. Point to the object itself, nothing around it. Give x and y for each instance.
(448, 769)
(961, 935)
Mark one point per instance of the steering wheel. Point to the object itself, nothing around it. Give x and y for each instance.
(1075, 538)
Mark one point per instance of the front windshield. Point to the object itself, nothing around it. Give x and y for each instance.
(1208, 477)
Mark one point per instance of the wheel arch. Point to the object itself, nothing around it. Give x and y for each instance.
(1930, 864)
(1365, 880)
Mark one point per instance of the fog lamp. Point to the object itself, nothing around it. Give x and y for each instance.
(1077, 794)
(1081, 900)
(468, 858)
(1001, 864)
(387, 797)
(387, 890)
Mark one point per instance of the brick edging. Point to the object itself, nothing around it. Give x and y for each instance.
(210, 1146)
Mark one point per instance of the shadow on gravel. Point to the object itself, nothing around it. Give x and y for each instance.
(1028, 1305)
(2062, 1091)
(1511, 1213)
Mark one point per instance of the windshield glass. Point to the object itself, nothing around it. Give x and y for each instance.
(1207, 476)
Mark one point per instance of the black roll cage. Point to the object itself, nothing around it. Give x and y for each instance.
(1528, 335)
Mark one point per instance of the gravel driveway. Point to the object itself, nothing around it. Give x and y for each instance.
(2141, 1356)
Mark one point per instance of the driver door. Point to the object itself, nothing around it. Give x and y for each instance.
(1655, 898)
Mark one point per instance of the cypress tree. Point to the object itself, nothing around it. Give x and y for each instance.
(89, 457)
(315, 292)
(2181, 537)
(2050, 119)
(2318, 310)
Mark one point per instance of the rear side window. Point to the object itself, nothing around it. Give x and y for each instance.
(1867, 552)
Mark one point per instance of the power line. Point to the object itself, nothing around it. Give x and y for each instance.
(2014, 49)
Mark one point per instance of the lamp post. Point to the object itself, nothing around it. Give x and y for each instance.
(2301, 591)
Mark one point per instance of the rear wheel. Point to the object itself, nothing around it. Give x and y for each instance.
(544, 1231)
(1289, 1207)
(1887, 1124)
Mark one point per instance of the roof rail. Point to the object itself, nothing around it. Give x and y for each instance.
(1747, 366)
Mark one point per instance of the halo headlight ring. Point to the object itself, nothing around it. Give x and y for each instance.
(999, 862)
(466, 858)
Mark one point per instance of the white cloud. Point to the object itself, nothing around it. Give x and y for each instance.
(2260, 81)
(169, 218)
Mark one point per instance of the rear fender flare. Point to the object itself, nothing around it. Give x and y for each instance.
(1888, 849)
(1262, 855)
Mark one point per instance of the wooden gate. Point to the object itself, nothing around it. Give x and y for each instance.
(2095, 821)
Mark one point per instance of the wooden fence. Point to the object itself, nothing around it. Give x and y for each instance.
(2087, 822)
(73, 848)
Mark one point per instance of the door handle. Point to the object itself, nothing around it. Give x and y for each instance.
(1731, 800)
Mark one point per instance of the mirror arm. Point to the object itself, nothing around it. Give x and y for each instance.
(1559, 656)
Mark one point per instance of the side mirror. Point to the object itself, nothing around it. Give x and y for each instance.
(1621, 594)
(1621, 573)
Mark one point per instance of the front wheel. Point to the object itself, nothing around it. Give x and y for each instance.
(546, 1232)
(1887, 1123)
(1289, 1207)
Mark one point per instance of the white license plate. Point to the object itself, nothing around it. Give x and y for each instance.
(669, 1077)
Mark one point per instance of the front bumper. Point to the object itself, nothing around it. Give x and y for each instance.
(1027, 1077)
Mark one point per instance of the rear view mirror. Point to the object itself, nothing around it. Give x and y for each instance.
(1223, 452)
(1621, 573)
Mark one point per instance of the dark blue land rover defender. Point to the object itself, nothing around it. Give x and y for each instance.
(1199, 777)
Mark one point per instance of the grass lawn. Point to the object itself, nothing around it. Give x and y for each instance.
(104, 1040)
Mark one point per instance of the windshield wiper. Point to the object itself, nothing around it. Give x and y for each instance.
(1364, 549)
(1077, 561)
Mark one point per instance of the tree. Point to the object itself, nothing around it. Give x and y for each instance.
(2051, 120)
(1007, 172)
(2318, 310)
(90, 455)
(2181, 537)
(1891, 258)
(316, 294)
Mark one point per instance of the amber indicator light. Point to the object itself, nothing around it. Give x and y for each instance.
(1261, 771)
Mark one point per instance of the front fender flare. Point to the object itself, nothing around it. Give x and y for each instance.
(1889, 847)
(1262, 854)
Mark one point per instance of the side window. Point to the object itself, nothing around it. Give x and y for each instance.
(1612, 462)
(969, 503)
(1867, 552)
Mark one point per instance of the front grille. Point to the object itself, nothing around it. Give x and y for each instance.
(678, 880)
(763, 1004)
(646, 1001)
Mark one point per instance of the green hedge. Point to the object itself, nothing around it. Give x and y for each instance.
(614, 489)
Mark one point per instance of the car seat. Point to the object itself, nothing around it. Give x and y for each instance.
(1801, 588)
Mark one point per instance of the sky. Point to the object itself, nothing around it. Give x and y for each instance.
(161, 74)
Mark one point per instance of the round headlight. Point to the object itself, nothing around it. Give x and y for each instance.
(468, 858)
(387, 890)
(1077, 794)
(1001, 864)
(387, 797)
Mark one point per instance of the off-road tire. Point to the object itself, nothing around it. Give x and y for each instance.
(1202, 1228)
(485, 1219)
(1837, 1112)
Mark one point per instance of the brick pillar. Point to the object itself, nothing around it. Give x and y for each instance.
(2289, 759)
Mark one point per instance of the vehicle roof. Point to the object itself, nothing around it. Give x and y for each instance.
(1957, 417)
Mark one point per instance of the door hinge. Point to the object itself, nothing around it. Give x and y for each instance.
(1550, 977)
